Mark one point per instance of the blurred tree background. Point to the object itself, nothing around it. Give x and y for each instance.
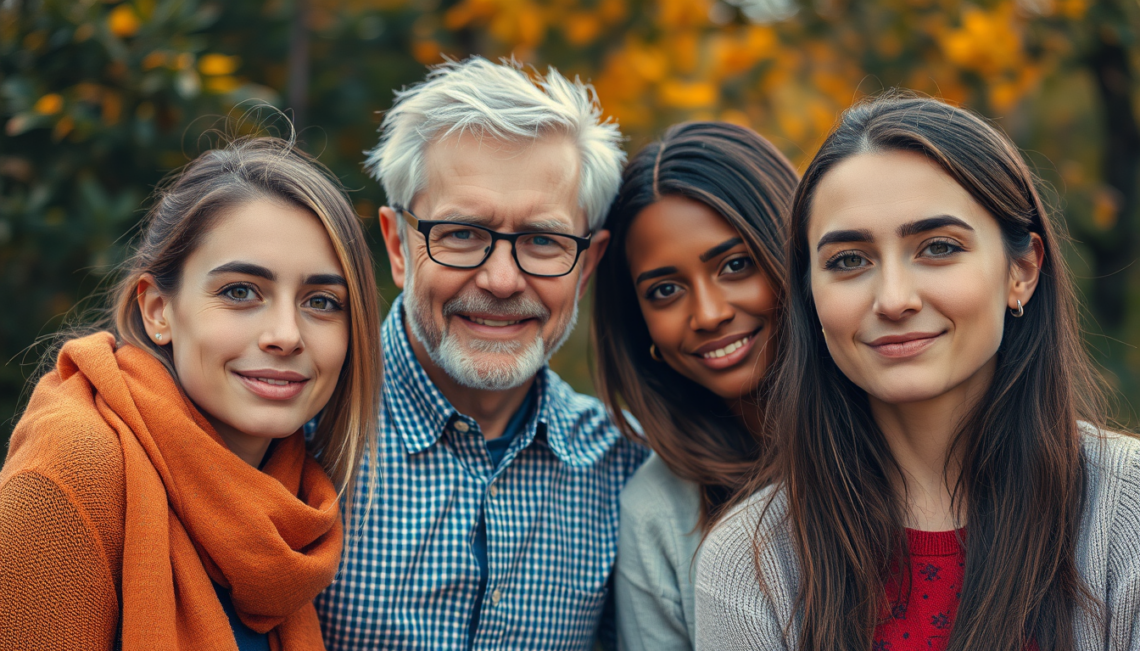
(99, 99)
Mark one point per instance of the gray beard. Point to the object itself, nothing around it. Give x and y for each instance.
(466, 365)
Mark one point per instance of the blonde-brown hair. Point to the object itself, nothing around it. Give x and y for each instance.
(184, 211)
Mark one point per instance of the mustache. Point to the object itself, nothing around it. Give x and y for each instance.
(516, 307)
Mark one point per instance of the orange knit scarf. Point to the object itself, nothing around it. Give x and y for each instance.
(195, 511)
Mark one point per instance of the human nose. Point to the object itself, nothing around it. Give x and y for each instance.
(896, 296)
(500, 275)
(710, 308)
(282, 333)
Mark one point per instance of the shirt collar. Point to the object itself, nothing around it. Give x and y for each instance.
(406, 383)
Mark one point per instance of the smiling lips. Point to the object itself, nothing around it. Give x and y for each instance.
(727, 351)
(903, 346)
(494, 323)
(272, 384)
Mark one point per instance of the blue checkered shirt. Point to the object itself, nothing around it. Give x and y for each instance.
(408, 576)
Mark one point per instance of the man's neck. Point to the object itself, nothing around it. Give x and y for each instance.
(491, 409)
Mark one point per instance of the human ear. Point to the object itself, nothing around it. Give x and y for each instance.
(1026, 272)
(155, 309)
(598, 244)
(390, 230)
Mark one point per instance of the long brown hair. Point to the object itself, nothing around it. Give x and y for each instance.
(184, 211)
(1021, 483)
(746, 180)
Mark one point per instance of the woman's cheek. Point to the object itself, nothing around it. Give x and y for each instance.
(328, 346)
(840, 311)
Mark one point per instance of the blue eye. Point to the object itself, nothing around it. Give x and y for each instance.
(542, 240)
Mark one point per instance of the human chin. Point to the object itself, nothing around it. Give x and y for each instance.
(228, 402)
(470, 360)
(498, 365)
(901, 386)
(264, 421)
(895, 383)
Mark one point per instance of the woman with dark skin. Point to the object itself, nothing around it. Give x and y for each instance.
(685, 329)
(940, 477)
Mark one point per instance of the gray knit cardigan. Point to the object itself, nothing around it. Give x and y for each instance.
(733, 612)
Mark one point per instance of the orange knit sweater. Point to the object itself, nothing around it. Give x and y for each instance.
(117, 498)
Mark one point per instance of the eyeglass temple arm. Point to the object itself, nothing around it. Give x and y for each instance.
(412, 220)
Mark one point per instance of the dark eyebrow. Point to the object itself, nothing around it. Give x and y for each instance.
(326, 279)
(931, 223)
(246, 268)
(860, 235)
(720, 248)
(655, 273)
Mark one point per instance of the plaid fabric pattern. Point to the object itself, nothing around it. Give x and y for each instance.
(408, 577)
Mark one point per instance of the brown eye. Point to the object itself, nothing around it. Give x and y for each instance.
(324, 304)
(941, 248)
(662, 292)
(239, 293)
(737, 265)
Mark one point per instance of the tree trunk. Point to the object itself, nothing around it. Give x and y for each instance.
(299, 63)
(1115, 251)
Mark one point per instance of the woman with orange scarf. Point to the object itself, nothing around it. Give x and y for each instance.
(159, 490)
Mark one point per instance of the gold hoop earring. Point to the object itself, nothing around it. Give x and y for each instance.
(1020, 311)
(653, 353)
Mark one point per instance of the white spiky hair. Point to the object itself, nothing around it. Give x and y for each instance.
(499, 101)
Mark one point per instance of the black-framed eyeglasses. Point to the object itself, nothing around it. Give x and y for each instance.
(466, 246)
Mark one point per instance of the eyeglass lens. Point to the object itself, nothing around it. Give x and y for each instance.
(544, 254)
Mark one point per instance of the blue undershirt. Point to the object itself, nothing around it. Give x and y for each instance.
(247, 638)
(496, 449)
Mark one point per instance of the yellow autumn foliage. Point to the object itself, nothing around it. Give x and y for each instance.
(49, 104)
(688, 95)
(123, 21)
(218, 64)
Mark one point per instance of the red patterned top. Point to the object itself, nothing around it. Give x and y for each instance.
(923, 621)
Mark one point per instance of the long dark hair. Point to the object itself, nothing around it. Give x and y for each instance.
(1022, 476)
(746, 180)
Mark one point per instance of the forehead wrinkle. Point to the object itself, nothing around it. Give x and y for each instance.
(550, 179)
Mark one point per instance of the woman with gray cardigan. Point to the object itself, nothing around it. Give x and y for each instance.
(939, 479)
(684, 329)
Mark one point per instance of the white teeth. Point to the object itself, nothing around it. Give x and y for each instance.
(491, 322)
(729, 349)
(278, 383)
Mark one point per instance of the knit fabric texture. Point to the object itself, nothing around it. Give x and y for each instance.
(920, 610)
(735, 613)
(117, 496)
(657, 549)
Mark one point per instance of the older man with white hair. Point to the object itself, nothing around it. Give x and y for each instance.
(495, 518)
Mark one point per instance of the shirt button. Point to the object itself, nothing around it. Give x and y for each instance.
(494, 489)
(496, 596)
(462, 426)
